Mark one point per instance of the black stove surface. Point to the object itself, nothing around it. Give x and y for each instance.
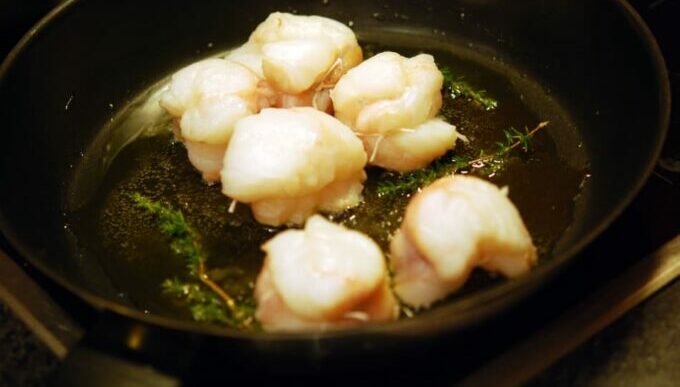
(651, 220)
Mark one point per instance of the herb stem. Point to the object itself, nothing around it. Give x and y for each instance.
(184, 241)
(457, 87)
(507, 150)
(489, 164)
(226, 298)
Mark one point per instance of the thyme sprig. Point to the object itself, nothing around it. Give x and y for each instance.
(484, 163)
(204, 305)
(207, 306)
(211, 304)
(184, 240)
(457, 87)
(513, 139)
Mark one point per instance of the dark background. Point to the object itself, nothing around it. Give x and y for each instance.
(17, 17)
(643, 348)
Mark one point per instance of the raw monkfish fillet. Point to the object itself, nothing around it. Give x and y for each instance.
(300, 57)
(322, 277)
(207, 98)
(290, 163)
(452, 226)
(391, 102)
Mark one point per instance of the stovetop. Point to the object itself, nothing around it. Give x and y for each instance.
(649, 334)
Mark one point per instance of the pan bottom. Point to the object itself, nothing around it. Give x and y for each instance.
(136, 153)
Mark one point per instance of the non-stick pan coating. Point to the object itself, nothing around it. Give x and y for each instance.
(58, 85)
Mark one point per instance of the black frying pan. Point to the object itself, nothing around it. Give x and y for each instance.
(596, 57)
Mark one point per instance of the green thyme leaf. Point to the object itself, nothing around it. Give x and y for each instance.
(486, 163)
(457, 87)
(205, 300)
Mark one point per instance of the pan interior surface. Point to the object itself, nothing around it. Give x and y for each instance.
(599, 85)
(136, 153)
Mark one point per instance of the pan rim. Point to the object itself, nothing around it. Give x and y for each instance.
(472, 309)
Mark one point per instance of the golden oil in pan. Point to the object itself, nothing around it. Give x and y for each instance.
(137, 257)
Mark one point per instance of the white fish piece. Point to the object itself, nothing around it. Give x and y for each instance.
(391, 102)
(452, 226)
(249, 55)
(299, 54)
(325, 276)
(290, 163)
(207, 158)
(294, 66)
(207, 98)
(412, 148)
(388, 92)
